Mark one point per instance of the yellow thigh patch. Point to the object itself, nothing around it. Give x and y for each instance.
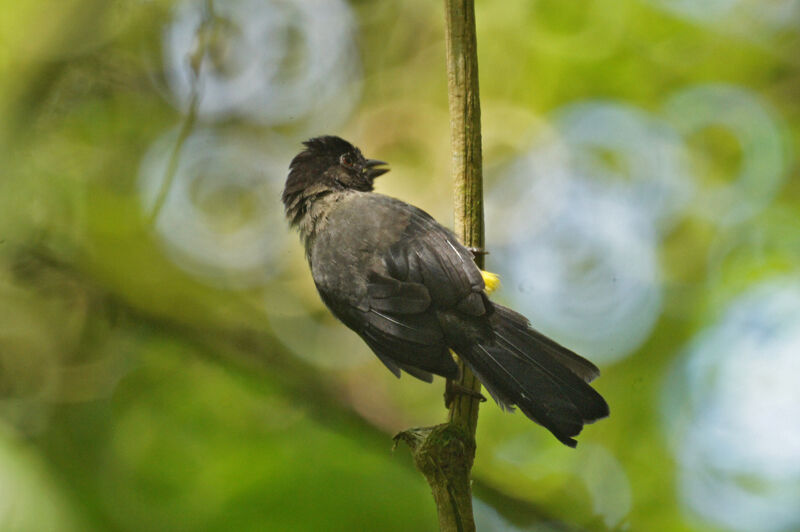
(491, 280)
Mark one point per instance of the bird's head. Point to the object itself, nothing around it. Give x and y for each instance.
(328, 164)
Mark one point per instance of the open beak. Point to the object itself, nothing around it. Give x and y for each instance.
(372, 168)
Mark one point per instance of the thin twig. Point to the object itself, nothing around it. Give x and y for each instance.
(195, 64)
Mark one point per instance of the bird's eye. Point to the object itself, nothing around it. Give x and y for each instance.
(346, 160)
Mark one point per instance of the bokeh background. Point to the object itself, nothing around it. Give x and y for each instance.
(165, 362)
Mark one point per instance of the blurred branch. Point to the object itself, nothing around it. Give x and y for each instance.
(254, 353)
(203, 35)
(445, 453)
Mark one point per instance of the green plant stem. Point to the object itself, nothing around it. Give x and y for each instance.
(445, 453)
(465, 145)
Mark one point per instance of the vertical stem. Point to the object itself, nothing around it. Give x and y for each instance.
(445, 453)
(467, 170)
(465, 144)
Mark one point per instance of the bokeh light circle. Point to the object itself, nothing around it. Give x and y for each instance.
(574, 243)
(756, 129)
(220, 217)
(272, 61)
(637, 154)
(731, 411)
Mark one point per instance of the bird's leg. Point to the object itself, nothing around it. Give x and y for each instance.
(477, 252)
(452, 388)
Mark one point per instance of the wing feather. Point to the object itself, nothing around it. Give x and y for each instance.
(420, 270)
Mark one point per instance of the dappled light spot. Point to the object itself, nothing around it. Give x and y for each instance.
(29, 498)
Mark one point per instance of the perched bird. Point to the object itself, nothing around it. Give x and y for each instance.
(413, 293)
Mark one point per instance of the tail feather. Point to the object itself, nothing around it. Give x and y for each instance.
(519, 366)
(576, 363)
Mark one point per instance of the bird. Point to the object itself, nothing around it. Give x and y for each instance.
(406, 285)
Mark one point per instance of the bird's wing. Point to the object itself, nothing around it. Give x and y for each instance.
(425, 270)
(430, 255)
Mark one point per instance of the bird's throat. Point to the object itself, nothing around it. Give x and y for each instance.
(309, 213)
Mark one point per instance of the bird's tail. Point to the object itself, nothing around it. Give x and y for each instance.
(548, 382)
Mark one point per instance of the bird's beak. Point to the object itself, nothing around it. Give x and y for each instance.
(374, 172)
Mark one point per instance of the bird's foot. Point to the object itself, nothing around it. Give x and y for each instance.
(477, 252)
(452, 389)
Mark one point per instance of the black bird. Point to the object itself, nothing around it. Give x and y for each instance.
(412, 292)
